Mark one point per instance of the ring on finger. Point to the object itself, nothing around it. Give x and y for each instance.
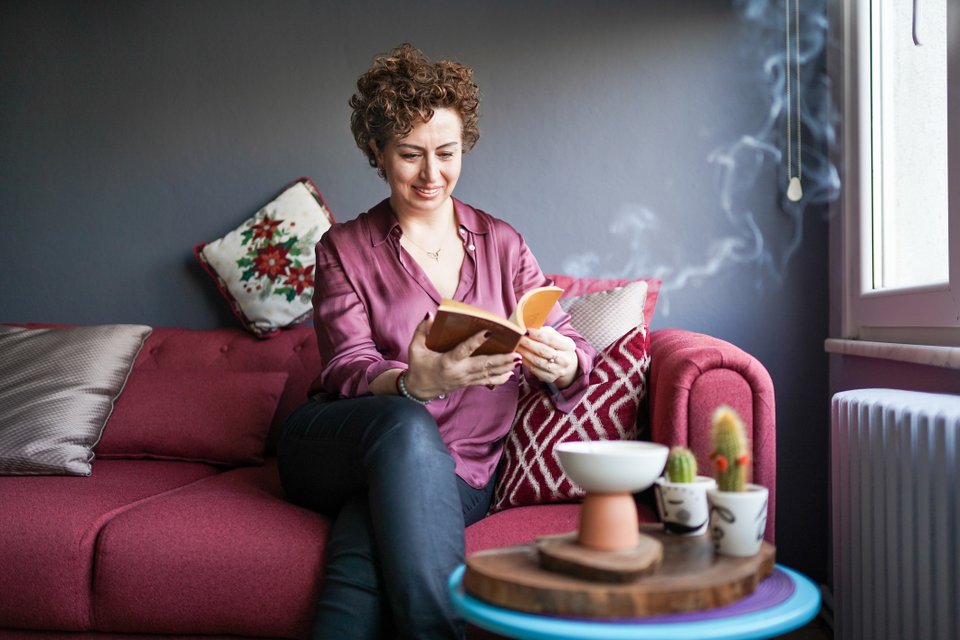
(553, 358)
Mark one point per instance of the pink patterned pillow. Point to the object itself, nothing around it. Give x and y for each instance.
(578, 287)
(530, 471)
(604, 316)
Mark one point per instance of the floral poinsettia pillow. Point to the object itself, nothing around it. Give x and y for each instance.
(264, 267)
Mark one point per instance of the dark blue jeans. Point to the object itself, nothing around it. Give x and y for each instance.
(378, 467)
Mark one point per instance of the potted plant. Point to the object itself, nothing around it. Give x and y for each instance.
(682, 494)
(738, 509)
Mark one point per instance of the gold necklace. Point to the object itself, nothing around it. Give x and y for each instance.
(433, 255)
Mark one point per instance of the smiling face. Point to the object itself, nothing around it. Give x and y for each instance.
(423, 167)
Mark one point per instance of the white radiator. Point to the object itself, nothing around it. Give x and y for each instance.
(896, 515)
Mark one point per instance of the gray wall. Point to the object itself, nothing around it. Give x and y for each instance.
(132, 130)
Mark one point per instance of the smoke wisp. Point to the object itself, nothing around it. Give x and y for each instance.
(745, 163)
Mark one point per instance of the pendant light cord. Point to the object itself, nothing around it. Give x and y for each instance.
(788, 78)
(794, 187)
(796, 7)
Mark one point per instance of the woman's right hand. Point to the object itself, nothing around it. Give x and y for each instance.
(431, 373)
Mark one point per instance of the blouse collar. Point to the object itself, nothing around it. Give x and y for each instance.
(382, 222)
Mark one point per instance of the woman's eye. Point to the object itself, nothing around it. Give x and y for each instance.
(446, 155)
(410, 156)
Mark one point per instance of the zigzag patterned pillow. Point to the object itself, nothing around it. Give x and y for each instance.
(530, 471)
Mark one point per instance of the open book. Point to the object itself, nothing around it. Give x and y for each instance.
(457, 321)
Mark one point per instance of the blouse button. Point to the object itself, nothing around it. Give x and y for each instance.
(471, 247)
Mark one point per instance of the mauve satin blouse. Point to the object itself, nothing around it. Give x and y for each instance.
(370, 295)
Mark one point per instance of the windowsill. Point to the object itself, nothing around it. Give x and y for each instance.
(947, 357)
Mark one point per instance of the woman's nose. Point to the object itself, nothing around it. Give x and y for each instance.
(430, 169)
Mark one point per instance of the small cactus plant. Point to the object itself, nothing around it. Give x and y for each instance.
(681, 465)
(730, 457)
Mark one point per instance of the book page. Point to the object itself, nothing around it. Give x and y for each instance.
(535, 305)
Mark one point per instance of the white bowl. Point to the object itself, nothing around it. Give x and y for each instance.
(612, 466)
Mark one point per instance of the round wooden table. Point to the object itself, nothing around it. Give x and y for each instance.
(782, 602)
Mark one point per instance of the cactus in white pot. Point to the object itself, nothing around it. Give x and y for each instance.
(681, 465)
(682, 494)
(738, 509)
(730, 457)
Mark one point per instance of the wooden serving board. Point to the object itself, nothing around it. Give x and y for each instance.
(691, 578)
(563, 554)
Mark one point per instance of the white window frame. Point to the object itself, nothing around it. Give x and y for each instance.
(917, 315)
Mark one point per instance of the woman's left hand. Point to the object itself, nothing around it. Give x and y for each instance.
(550, 356)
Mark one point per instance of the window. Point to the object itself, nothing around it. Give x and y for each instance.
(901, 114)
(908, 145)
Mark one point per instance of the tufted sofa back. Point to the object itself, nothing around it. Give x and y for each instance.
(293, 351)
(233, 349)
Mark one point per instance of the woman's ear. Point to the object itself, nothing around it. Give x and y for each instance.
(378, 156)
(376, 152)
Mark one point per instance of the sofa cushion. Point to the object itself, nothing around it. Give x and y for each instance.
(49, 527)
(217, 351)
(57, 389)
(200, 560)
(530, 471)
(264, 267)
(524, 525)
(193, 415)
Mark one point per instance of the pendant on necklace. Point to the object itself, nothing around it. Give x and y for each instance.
(434, 255)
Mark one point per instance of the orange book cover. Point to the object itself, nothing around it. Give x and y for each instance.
(457, 321)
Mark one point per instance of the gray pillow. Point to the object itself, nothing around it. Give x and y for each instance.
(57, 388)
(604, 316)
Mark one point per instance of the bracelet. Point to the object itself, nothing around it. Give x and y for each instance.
(402, 389)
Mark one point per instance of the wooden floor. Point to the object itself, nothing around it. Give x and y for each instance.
(817, 629)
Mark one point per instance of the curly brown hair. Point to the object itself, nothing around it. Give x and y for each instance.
(402, 88)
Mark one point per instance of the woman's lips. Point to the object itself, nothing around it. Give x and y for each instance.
(428, 191)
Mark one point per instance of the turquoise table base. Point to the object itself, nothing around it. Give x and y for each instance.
(797, 603)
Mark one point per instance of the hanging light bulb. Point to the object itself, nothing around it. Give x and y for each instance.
(795, 189)
(794, 186)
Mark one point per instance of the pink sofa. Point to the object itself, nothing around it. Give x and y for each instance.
(180, 548)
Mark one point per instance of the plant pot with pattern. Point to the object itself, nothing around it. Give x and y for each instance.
(738, 509)
(682, 495)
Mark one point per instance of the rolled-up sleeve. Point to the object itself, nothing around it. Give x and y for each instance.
(349, 355)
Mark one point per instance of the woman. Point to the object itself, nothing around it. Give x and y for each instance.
(400, 444)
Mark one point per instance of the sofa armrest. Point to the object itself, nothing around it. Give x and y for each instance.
(691, 374)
